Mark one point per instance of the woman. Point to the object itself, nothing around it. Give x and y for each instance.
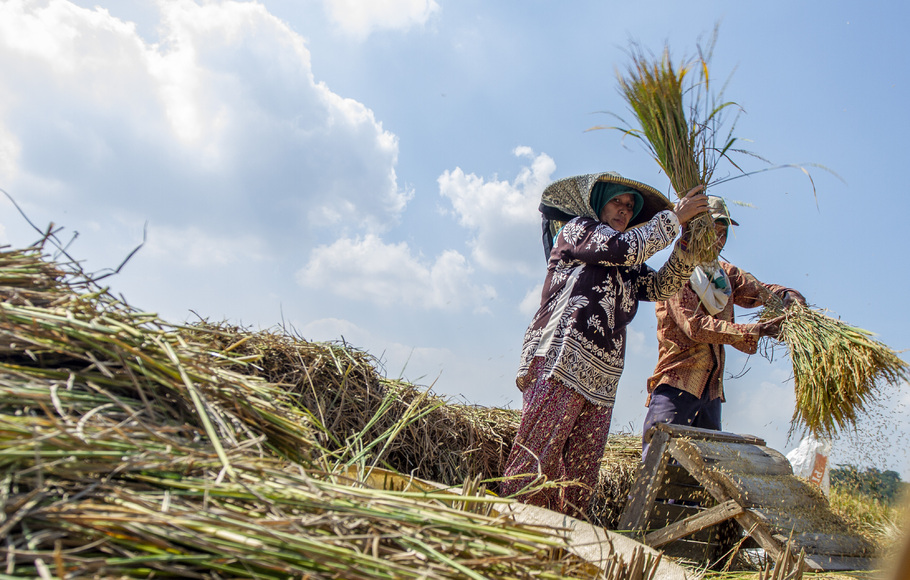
(573, 350)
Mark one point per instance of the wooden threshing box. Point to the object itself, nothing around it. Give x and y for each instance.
(699, 492)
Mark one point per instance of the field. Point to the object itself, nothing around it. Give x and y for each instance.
(131, 447)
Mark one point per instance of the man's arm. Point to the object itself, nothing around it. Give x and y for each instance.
(685, 309)
(749, 292)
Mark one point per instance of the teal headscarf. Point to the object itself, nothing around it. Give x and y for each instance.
(602, 192)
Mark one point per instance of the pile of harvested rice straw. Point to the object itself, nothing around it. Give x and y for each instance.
(134, 448)
(837, 368)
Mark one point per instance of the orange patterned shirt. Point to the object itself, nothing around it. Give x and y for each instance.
(691, 341)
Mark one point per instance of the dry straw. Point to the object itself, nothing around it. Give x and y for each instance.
(132, 448)
(678, 120)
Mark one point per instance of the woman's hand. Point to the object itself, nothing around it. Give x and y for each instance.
(693, 204)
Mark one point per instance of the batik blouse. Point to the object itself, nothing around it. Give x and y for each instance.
(691, 342)
(595, 278)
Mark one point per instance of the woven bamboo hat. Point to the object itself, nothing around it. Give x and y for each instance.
(570, 197)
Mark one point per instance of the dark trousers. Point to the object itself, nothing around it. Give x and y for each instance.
(677, 407)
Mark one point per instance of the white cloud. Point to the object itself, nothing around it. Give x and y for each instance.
(194, 247)
(358, 18)
(450, 373)
(761, 402)
(503, 215)
(636, 344)
(531, 301)
(221, 118)
(370, 270)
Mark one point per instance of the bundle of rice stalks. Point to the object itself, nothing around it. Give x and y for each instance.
(678, 120)
(787, 566)
(131, 448)
(837, 368)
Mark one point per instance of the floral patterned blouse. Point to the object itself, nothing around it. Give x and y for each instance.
(595, 278)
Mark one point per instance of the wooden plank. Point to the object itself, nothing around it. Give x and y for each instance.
(819, 562)
(819, 532)
(816, 522)
(677, 474)
(774, 542)
(698, 522)
(679, 485)
(685, 493)
(848, 546)
(744, 458)
(663, 515)
(710, 550)
(684, 431)
(781, 492)
(647, 481)
(687, 549)
(593, 543)
(689, 457)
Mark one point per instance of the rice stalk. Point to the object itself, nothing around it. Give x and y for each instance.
(679, 120)
(274, 522)
(837, 368)
(787, 564)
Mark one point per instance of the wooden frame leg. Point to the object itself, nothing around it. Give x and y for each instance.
(649, 478)
(692, 524)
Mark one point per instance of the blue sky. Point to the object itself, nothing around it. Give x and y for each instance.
(371, 170)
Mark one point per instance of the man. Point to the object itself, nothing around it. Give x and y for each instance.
(692, 328)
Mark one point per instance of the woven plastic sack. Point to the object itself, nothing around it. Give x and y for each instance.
(810, 461)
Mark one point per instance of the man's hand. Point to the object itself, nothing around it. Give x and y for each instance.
(693, 204)
(771, 327)
(792, 296)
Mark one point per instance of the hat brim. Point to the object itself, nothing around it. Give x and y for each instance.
(732, 221)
